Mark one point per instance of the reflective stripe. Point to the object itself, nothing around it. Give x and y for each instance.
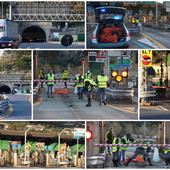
(102, 81)
(50, 77)
(79, 84)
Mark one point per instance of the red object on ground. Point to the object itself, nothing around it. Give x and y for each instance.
(61, 91)
(137, 159)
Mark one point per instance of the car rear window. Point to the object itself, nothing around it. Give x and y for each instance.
(5, 39)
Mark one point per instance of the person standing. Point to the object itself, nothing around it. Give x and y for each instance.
(50, 83)
(79, 84)
(109, 136)
(88, 75)
(116, 150)
(42, 76)
(166, 157)
(88, 88)
(65, 75)
(102, 82)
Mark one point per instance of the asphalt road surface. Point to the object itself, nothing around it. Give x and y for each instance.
(161, 110)
(75, 45)
(21, 107)
(68, 106)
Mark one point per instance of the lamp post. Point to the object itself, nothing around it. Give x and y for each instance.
(59, 144)
(25, 159)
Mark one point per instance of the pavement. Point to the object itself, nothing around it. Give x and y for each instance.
(68, 106)
(159, 111)
(21, 107)
(51, 45)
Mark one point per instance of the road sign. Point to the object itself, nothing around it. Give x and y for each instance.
(101, 57)
(125, 61)
(124, 65)
(28, 146)
(92, 56)
(167, 6)
(114, 53)
(78, 133)
(146, 58)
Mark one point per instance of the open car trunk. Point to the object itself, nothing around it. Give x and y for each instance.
(110, 31)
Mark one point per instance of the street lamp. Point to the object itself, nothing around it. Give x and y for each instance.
(59, 144)
(26, 142)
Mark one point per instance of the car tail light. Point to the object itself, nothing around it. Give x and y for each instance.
(128, 35)
(93, 36)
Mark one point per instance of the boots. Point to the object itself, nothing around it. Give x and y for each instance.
(127, 163)
(79, 95)
(150, 164)
(114, 163)
(89, 103)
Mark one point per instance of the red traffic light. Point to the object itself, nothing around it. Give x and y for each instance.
(82, 61)
(114, 73)
(133, 20)
(88, 134)
(124, 73)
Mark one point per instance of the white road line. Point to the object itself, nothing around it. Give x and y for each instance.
(162, 108)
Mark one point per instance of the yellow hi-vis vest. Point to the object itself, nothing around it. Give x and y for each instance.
(166, 151)
(102, 81)
(41, 74)
(65, 74)
(50, 77)
(79, 83)
(91, 83)
(114, 149)
(127, 142)
(106, 138)
(88, 76)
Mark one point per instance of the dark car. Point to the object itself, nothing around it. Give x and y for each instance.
(110, 31)
(8, 42)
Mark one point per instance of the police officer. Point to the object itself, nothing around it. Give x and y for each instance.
(50, 77)
(140, 150)
(79, 85)
(88, 75)
(102, 82)
(65, 75)
(166, 157)
(125, 140)
(42, 76)
(116, 150)
(88, 88)
(109, 136)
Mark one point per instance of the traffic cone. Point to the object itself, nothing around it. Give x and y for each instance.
(156, 157)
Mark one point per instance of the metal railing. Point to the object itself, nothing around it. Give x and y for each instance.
(4, 104)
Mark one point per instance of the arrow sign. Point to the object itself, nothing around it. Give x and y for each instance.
(124, 65)
(125, 61)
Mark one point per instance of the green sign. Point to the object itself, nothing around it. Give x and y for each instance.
(149, 2)
(125, 61)
(4, 144)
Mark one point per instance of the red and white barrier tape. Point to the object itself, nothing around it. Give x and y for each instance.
(60, 81)
(131, 145)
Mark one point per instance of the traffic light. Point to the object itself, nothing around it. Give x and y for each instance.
(82, 61)
(124, 74)
(88, 134)
(132, 20)
(119, 78)
(114, 73)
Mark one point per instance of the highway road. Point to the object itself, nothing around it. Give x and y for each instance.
(41, 45)
(21, 107)
(159, 111)
(149, 38)
(68, 106)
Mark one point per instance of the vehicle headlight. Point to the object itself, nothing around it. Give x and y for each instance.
(9, 44)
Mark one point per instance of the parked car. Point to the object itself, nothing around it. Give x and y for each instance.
(8, 42)
(110, 31)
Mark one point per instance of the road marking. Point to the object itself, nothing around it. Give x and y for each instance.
(39, 101)
(118, 108)
(163, 108)
(156, 42)
(140, 44)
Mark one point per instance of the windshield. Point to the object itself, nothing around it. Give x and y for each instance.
(5, 39)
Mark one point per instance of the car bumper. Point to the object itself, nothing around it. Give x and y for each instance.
(109, 45)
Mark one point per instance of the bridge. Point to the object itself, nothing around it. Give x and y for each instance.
(11, 81)
(40, 19)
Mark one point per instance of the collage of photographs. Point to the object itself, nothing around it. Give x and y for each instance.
(84, 84)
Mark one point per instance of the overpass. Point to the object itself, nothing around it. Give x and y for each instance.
(10, 81)
(39, 19)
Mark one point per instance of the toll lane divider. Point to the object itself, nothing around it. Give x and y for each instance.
(132, 145)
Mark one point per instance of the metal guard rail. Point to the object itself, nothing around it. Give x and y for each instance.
(4, 104)
(113, 92)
